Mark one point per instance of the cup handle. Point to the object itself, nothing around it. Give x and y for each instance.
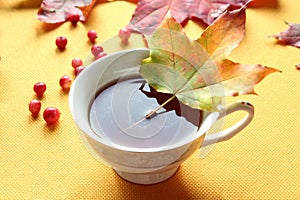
(234, 129)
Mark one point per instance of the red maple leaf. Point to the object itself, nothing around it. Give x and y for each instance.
(55, 11)
(150, 13)
(291, 36)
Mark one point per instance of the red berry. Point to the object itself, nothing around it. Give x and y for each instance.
(76, 62)
(124, 34)
(298, 66)
(51, 115)
(100, 55)
(92, 35)
(39, 88)
(61, 42)
(65, 82)
(96, 49)
(35, 107)
(74, 18)
(78, 70)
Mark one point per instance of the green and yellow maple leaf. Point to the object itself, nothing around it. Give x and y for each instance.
(197, 72)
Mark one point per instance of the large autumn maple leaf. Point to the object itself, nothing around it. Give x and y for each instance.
(197, 72)
(150, 13)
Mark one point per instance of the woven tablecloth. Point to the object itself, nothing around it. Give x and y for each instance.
(45, 162)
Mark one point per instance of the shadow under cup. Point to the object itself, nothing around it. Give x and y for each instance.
(150, 151)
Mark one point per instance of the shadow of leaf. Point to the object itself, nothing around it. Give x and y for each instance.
(264, 4)
(27, 4)
(44, 27)
(192, 115)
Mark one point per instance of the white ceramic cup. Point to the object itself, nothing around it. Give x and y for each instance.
(140, 165)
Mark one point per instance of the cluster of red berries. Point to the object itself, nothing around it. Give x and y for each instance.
(61, 41)
(51, 114)
(97, 50)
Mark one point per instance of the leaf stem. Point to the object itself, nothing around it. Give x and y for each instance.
(148, 116)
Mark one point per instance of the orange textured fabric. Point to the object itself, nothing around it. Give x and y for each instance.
(42, 162)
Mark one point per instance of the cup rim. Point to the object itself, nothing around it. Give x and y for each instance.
(209, 118)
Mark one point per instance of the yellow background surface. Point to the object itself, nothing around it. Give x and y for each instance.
(42, 162)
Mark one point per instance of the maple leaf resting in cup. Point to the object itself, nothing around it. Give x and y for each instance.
(196, 72)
